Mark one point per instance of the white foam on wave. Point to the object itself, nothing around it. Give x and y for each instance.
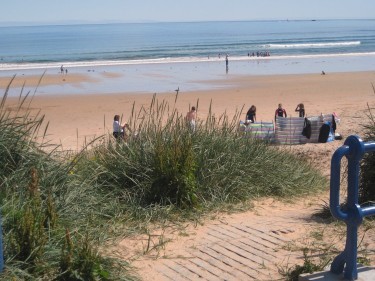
(92, 64)
(313, 45)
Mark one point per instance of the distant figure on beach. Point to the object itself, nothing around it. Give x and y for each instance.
(280, 111)
(301, 109)
(226, 63)
(323, 73)
(190, 118)
(119, 129)
(251, 114)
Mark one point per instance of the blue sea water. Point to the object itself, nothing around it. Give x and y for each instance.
(190, 51)
(182, 41)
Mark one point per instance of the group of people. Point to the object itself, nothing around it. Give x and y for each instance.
(259, 54)
(120, 130)
(280, 111)
(62, 70)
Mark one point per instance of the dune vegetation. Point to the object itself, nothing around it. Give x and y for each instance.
(59, 209)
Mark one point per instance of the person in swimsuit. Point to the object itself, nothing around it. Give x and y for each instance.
(280, 111)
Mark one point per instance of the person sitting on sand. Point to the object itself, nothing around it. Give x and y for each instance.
(301, 109)
(190, 118)
(280, 111)
(251, 114)
(119, 130)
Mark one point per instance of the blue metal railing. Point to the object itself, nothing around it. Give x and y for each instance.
(353, 149)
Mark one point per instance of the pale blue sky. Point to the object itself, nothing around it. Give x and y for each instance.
(65, 11)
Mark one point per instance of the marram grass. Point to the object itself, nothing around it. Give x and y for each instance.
(169, 165)
(42, 203)
(57, 211)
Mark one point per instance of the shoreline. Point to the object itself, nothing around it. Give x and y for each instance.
(76, 119)
(12, 66)
(192, 76)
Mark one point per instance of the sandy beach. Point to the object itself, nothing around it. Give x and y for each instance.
(74, 119)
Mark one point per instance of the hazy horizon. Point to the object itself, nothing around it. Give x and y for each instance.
(77, 22)
(24, 12)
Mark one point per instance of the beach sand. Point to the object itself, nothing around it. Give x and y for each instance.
(76, 118)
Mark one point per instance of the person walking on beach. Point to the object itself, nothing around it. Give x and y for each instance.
(251, 114)
(280, 111)
(226, 63)
(301, 109)
(190, 118)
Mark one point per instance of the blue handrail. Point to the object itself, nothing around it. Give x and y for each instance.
(353, 149)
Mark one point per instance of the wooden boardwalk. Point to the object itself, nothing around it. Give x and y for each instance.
(249, 250)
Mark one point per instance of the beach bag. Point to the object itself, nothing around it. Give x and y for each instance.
(338, 136)
(324, 132)
(307, 128)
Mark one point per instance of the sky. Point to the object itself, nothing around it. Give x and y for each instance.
(100, 11)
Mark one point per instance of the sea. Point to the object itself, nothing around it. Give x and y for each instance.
(161, 56)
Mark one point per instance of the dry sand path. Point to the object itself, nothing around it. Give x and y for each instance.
(255, 245)
(248, 246)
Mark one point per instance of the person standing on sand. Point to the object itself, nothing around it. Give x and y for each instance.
(301, 109)
(280, 111)
(251, 114)
(190, 118)
(226, 63)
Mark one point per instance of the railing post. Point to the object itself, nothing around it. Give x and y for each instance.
(353, 149)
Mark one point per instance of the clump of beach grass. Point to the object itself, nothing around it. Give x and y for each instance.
(367, 187)
(170, 167)
(38, 199)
